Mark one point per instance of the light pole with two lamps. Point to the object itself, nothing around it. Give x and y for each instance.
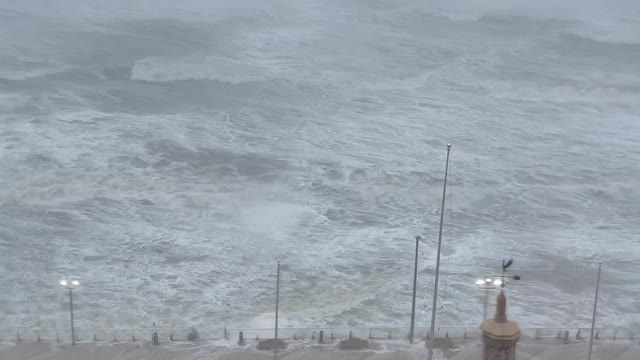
(487, 284)
(70, 285)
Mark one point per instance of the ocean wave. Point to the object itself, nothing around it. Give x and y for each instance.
(17, 75)
(158, 69)
(622, 39)
(69, 74)
(10, 102)
(619, 32)
(560, 93)
(139, 10)
(460, 16)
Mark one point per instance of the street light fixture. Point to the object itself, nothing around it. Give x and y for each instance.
(73, 284)
(70, 285)
(489, 283)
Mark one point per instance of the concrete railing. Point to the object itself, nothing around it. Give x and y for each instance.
(94, 335)
(307, 335)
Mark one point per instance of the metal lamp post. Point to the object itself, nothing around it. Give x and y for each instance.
(275, 345)
(437, 275)
(415, 280)
(70, 285)
(595, 307)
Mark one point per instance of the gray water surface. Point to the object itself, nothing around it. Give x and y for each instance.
(166, 153)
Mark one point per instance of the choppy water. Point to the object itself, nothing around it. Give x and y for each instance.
(166, 153)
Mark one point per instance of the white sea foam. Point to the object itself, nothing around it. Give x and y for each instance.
(561, 93)
(30, 74)
(10, 102)
(617, 31)
(212, 68)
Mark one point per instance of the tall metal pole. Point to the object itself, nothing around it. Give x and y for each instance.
(595, 306)
(73, 330)
(486, 304)
(435, 285)
(413, 303)
(275, 346)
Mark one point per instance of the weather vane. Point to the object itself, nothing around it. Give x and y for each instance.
(505, 265)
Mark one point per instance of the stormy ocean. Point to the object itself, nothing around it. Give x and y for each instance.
(165, 153)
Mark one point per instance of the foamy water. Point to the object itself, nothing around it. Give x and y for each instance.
(166, 153)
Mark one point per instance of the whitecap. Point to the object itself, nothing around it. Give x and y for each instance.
(159, 69)
(18, 75)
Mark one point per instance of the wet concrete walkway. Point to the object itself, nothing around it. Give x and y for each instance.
(382, 351)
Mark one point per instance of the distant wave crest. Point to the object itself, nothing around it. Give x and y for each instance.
(616, 38)
(561, 94)
(18, 75)
(156, 69)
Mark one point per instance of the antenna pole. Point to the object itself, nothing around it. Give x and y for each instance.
(435, 285)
